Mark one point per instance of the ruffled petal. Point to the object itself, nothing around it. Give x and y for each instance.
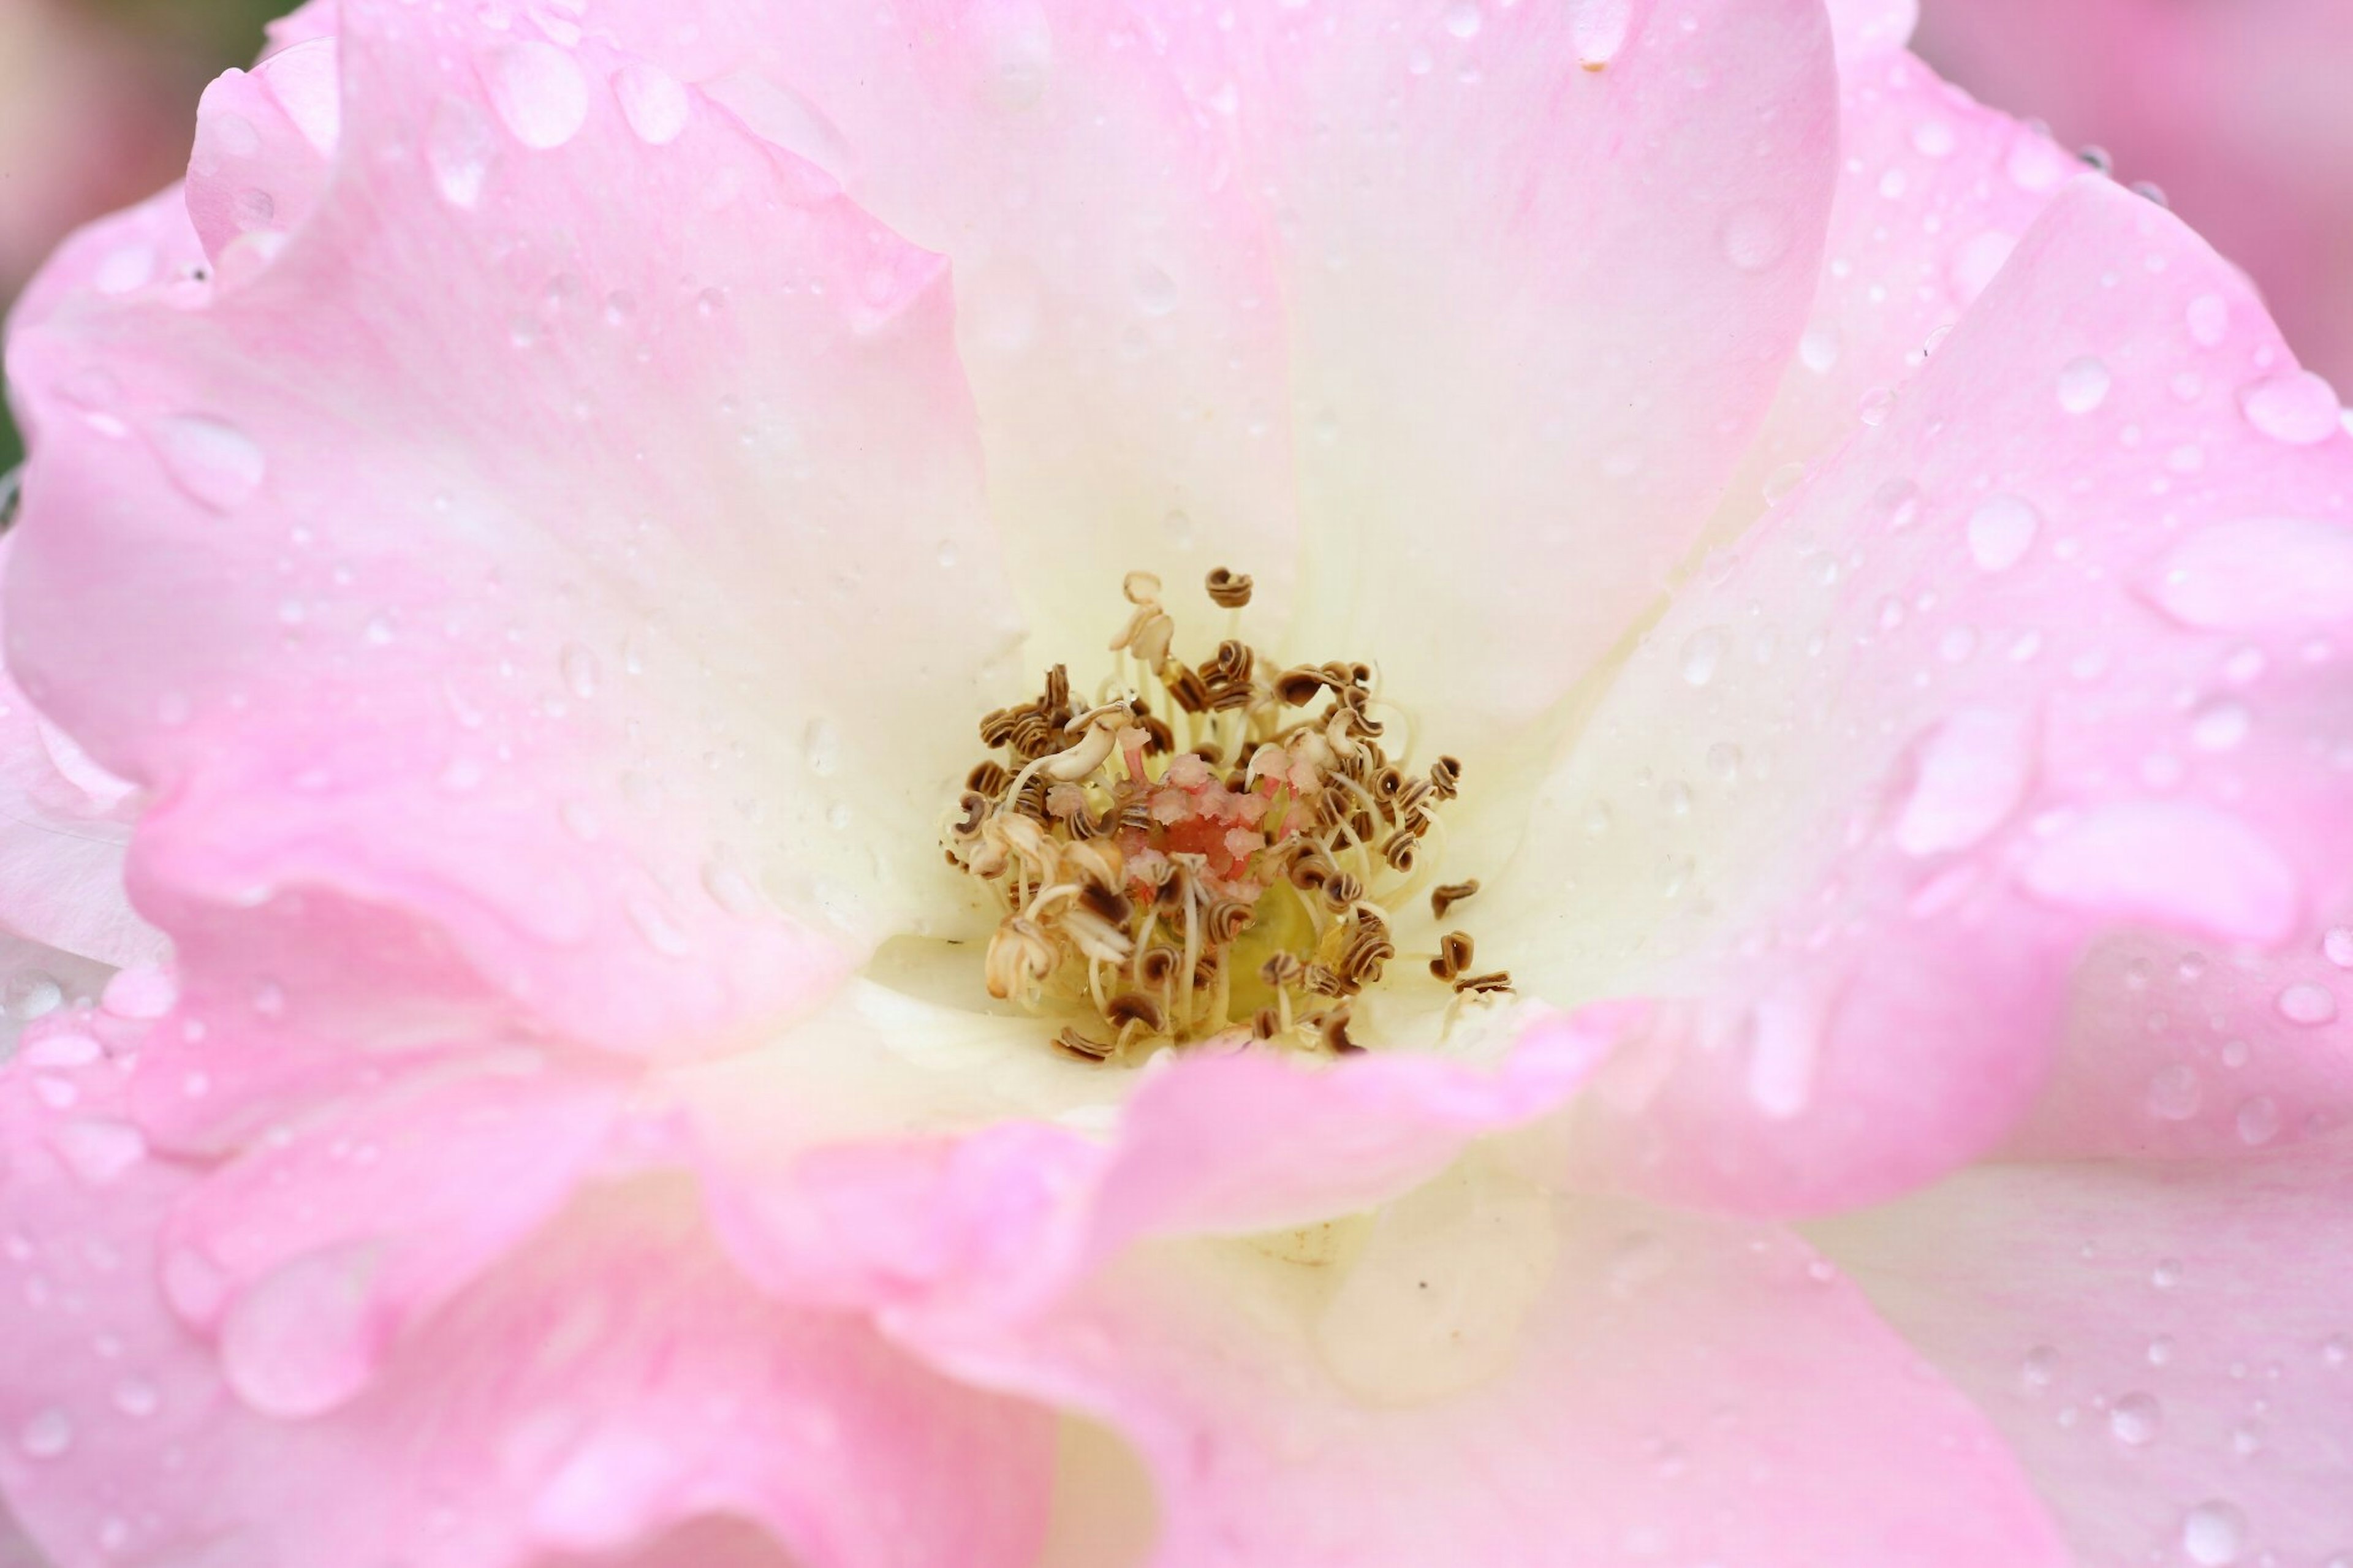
(610, 1381)
(615, 618)
(1481, 1373)
(1536, 306)
(2167, 1349)
(2035, 659)
(1119, 308)
(1866, 29)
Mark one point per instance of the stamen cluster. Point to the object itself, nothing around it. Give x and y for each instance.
(1203, 850)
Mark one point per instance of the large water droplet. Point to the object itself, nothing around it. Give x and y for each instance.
(1703, 651)
(2266, 574)
(2214, 1534)
(2298, 408)
(98, 1150)
(215, 463)
(2134, 1418)
(652, 101)
(458, 148)
(2337, 946)
(1154, 289)
(1973, 772)
(2173, 861)
(2083, 385)
(2307, 1004)
(304, 1340)
(778, 115)
(2258, 1121)
(1598, 31)
(2001, 530)
(538, 91)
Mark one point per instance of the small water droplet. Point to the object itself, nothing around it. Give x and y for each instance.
(2167, 1274)
(458, 148)
(2219, 726)
(1817, 351)
(2039, 1368)
(2175, 1092)
(2308, 1002)
(213, 461)
(2083, 385)
(2258, 1121)
(46, 1433)
(1703, 651)
(98, 1150)
(652, 101)
(1755, 235)
(1154, 289)
(1933, 138)
(2134, 1418)
(2209, 320)
(581, 670)
(2297, 408)
(2214, 1534)
(538, 91)
(2000, 531)
(136, 1397)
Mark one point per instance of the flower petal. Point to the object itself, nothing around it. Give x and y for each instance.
(2167, 1349)
(566, 566)
(611, 1379)
(1535, 309)
(1494, 1376)
(1118, 306)
(1869, 789)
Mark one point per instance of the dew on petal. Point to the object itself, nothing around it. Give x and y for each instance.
(653, 102)
(1703, 651)
(2175, 860)
(778, 115)
(1755, 237)
(213, 462)
(2219, 726)
(538, 91)
(2000, 531)
(2214, 1534)
(458, 148)
(2337, 946)
(302, 1340)
(1597, 31)
(2209, 320)
(2083, 385)
(2298, 408)
(2258, 1121)
(2308, 1002)
(45, 1435)
(1973, 769)
(97, 1151)
(2176, 1093)
(2135, 1419)
(2258, 575)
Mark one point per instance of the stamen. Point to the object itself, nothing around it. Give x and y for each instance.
(1198, 843)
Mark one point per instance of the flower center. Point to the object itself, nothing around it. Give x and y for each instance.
(1205, 852)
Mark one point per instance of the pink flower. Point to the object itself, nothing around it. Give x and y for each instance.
(2235, 112)
(536, 520)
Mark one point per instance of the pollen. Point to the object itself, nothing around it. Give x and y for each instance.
(1218, 851)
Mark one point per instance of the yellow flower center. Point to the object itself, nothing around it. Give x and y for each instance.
(1210, 851)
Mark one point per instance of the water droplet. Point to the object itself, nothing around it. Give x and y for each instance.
(2209, 320)
(1154, 289)
(821, 747)
(213, 461)
(2219, 726)
(252, 208)
(2336, 1351)
(538, 91)
(2298, 408)
(2039, 1368)
(581, 670)
(304, 1338)
(652, 101)
(1463, 18)
(2175, 1092)
(1755, 235)
(2258, 1121)
(458, 148)
(1598, 31)
(2083, 385)
(2307, 1004)
(2001, 530)
(30, 993)
(2167, 1274)
(1817, 351)
(782, 116)
(661, 931)
(141, 993)
(2214, 1534)
(2337, 946)
(2174, 861)
(2161, 1349)
(1703, 651)
(46, 1433)
(136, 1397)
(98, 1150)
(1973, 770)
(1933, 138)
(2134, 1418)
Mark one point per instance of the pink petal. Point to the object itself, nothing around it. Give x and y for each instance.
(1537, 309)
(1866, 27)
(263, 142)
(2169, 1350)
(1619, 1382)
(609, 1381)
(1878, 779)
(515, 609)
(1119, 307)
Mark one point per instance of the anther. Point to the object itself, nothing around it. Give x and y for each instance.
(1134, 1007)
(1075, 1044)
(1445, 898)
(1228, 590)
(1481, 985)
(1283, 970)
(1446, 777)
(1333, 1026)
(1453, 955)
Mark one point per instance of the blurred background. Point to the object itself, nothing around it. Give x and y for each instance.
(2238, 111)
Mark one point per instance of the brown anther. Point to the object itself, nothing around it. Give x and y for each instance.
(1073, 1043)
(997, 727)
(1230, 664)
(1400, 851)
(1388, 783)
(1446, 777)
(1312, 870)
(1343, 888)
(1361, 960)
(1333, 1028)
(1186, 687)
(1057, 700)
(1134, 1007)
(1297, 686)
(1020, 956)
(1265, 1023)
(1108, 902)
(1160, 739)
(1228, 590)
(1324, 980)
(1412, 799)
(974, 807)
(1227, 919)
(1445, 898)
(1283, 970)
(1104, 940)
(1156, 966)
(1483, 985)
(1453, 955)
(1206, 969)
(988, 777)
